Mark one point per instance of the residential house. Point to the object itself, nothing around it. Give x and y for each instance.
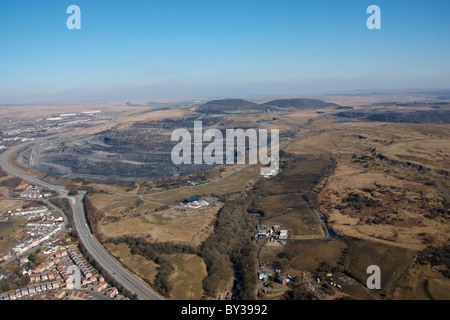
(60, 294)
(68, 279)
(24, 292)
(35, 278)
(61, 253)
(76, 295)
(26, 271)
(55, 285)
(23, 260)
(95, 287)
(31, 290)
(112, 292)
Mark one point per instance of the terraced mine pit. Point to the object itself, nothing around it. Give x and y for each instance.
(110, 156)
(136, 152)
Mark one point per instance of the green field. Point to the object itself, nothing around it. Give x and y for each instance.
(306, 255)
(144, 268)
(309, 255)
(190, 270)
(393, 261)
(118, 206)
(8, 230)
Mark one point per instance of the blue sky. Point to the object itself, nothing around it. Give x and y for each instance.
(154, 49)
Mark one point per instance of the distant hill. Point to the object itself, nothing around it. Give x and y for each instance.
(301, 104)
(232, 106)
(245, 106)
(149, 104)
(432, 116)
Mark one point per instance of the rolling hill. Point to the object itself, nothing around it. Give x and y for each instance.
(301, 104)
(245, 106)
(232, 106)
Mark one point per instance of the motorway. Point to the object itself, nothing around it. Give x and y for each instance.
(108, 263)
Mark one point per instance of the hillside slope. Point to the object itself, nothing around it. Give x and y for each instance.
(301, 104)
(232, 106)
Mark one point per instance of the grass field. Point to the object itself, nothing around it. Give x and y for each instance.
(292, 212)
(309, 255)
(233, 183)
(285, 205)
(119, 206)
(438, 290)
(9, 230)
(4, 191)
(186, 278)
(190, 227)
(430, 152)
(422, 282)
(125, 216)
(392, 260)
(300, 224)
(144, 268)
(409, 197)
(8, 204)
(404, 202)
(190, 270)
(306, 256)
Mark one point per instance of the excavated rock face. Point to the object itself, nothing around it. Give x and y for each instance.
(138, 151)
(110, 156)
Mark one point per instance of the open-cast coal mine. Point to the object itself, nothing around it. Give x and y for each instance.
(118, 157)
(142, 151)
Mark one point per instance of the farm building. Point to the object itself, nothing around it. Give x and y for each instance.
(283, 235)
(190, 200)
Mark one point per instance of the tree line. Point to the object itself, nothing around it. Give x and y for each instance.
(93, 217)
(230, 251)
(159, 253)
